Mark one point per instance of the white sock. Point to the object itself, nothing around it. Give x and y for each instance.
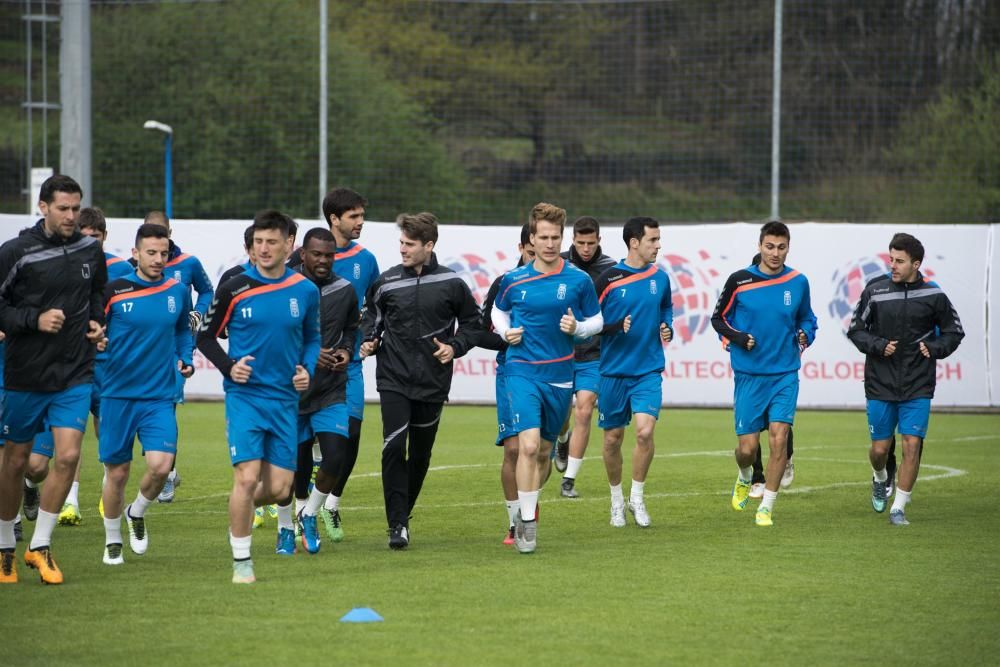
(529, 503)
(880, 475)
(316, 500)
(172, 475)
(7, 540)
(28, 483)
(332, 503)
(573, 468)
(635, 495)
(139, 506)
(898, 503)
(17, 519)
(746, 474)
(768, 501)
(617, 498)
(513, 507)
(300, 504)
(241, 546)
(113, 530)
(44, 524)
(285, 517)
(73, 497)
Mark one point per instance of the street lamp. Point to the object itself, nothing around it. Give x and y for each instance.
(168, 143)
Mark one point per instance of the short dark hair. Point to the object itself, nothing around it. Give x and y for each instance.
(149, 230)
(58, 183)
(318, 233)
(909, 244)
(586, 225)
(339, 201)
(93, 218)
(248, 237)
(421, 227)
(774, 228)
(273, 219)
(157, 218)
(293, 228)
(525, 234)
(635, 228)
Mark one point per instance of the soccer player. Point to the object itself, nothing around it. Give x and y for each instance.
(272, 314)
(185, 269)
(636, 304)
(51, 308)
(766, 319)
(344, 211)
(410, 317)
(18, 535)
(903, 324)
(323, 412)
(149, 338)
(536, 313)
(491, 341)
(92, 223)
(585, 254)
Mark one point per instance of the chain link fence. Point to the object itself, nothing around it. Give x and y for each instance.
(476, 110)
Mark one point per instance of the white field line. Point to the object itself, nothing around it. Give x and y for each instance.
(945, 473)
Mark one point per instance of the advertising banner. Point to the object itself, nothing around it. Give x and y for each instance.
(838, 260)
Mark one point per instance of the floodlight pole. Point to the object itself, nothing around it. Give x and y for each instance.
(776, 114)
(168, 168)
(323, 28)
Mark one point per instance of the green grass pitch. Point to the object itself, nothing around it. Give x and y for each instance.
(830, 583)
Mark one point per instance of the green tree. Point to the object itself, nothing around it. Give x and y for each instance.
(239, 84)
(949, 155)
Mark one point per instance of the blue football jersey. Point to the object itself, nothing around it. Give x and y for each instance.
(187, 269)
(147, 330)
(644, 296)
(773, 309)
(357, 265)
(537, 301)
(273, 320)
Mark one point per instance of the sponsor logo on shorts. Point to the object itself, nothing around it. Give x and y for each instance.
(293, 307)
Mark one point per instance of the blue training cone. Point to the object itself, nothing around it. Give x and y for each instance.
(361, 615)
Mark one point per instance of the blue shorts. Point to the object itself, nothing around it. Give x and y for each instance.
(331, 419)
(911, 416)
(256, 434)
(535, 404)
(25, 412)
(154, 421)
(505, 416)
(758, 399)
(44, 443)
(355, 391)
(587, 376)
(623, 396)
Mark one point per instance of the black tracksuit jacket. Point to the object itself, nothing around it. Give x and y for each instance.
(909, 313)
(37, 273)
(406, 311)
(338, 322)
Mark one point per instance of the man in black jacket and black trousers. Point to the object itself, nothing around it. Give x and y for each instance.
(52, 309)
(903, 324)
(410, 319)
